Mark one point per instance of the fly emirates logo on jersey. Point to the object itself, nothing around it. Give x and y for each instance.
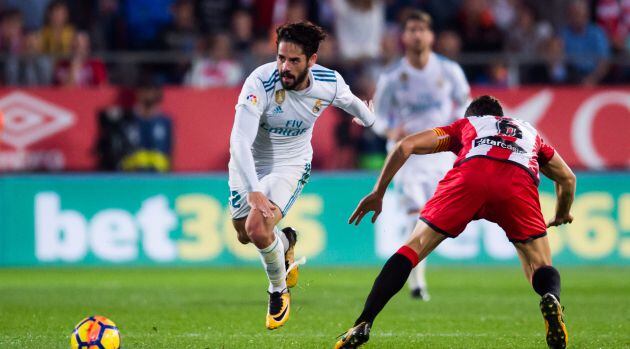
(290, 128)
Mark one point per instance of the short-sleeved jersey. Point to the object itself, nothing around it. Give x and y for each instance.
(287, 117)
(495, 137)
(420, 99)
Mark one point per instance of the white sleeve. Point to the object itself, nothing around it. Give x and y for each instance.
(461, 91)
(382, 106)
(351, 104)
(250, 106)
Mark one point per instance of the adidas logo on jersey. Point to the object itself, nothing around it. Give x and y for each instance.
(277, 111)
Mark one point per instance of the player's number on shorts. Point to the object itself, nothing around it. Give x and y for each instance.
(235, 197)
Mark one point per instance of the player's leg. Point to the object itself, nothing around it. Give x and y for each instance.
(417, 280)
(286, 235)
(260, 231)
(390, 280)
(535, 257)
(516, 208)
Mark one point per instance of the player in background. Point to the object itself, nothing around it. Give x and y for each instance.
(421, 91)
(495, 177)
(270, 148)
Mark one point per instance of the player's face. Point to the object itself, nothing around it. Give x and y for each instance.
(293, 65)
(417, 37)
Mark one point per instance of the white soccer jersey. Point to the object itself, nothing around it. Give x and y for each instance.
(420, 99)
(280, 122)
(416, 100)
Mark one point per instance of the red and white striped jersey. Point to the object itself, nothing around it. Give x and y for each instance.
(495, 137)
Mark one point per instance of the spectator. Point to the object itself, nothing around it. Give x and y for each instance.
(11, 32)
(586, 45)
(214, 15)
(527, 35)
(107, 27)
(504, 13)
(182, 34)
(57, 34)
(614, 17)
(359, 27)
(32, 10)
(136, 136)
(497, 75)
(478, 28)
(242, 31)
(297, 11)
(80, 69)
(448, 44)
(554, 68)
(217, 67)
(260, 52)
(145, 20)
(150, 133)
(30, 67)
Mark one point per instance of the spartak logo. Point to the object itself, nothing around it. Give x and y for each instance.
(28, 119)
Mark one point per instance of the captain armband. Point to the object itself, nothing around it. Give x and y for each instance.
(443, 140)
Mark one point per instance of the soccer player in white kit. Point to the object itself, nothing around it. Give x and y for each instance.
(270, 148)
(421, 91)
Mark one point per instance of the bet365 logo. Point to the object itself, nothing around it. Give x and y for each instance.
(194, 227)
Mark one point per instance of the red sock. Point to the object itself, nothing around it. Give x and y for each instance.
(410, 254)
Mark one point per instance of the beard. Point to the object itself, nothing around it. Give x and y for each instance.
(296, 80)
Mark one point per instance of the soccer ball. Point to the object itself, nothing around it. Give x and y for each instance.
(95, 332)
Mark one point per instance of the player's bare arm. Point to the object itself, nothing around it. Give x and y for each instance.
(558, 171)
(419, 143)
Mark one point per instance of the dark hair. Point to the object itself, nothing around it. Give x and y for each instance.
(305, 34)
(417, 15)
(484, 105)
(52, 6)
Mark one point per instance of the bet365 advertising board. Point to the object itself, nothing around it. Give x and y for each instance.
(184, 220)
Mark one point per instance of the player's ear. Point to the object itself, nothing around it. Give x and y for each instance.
(312, 60)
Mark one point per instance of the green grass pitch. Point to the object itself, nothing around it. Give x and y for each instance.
(472, 307)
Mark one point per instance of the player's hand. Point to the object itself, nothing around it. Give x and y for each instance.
(559, 220)
(258, 201)
(370, 106)
(372, 202)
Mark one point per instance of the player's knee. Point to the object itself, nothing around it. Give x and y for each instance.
(256, 230)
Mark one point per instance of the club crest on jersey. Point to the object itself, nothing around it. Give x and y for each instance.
(318, 106)
(440, 82)
(280, 95)
(252, 99)
(508, 128)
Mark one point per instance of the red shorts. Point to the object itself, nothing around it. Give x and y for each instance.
(500, 192)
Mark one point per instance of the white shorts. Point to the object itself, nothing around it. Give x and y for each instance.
(282, 186)
(416, 181)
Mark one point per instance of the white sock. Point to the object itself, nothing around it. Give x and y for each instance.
(283, 238)
(272, 258)
(419, 272)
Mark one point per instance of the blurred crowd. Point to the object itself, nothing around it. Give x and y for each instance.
(213, 43)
